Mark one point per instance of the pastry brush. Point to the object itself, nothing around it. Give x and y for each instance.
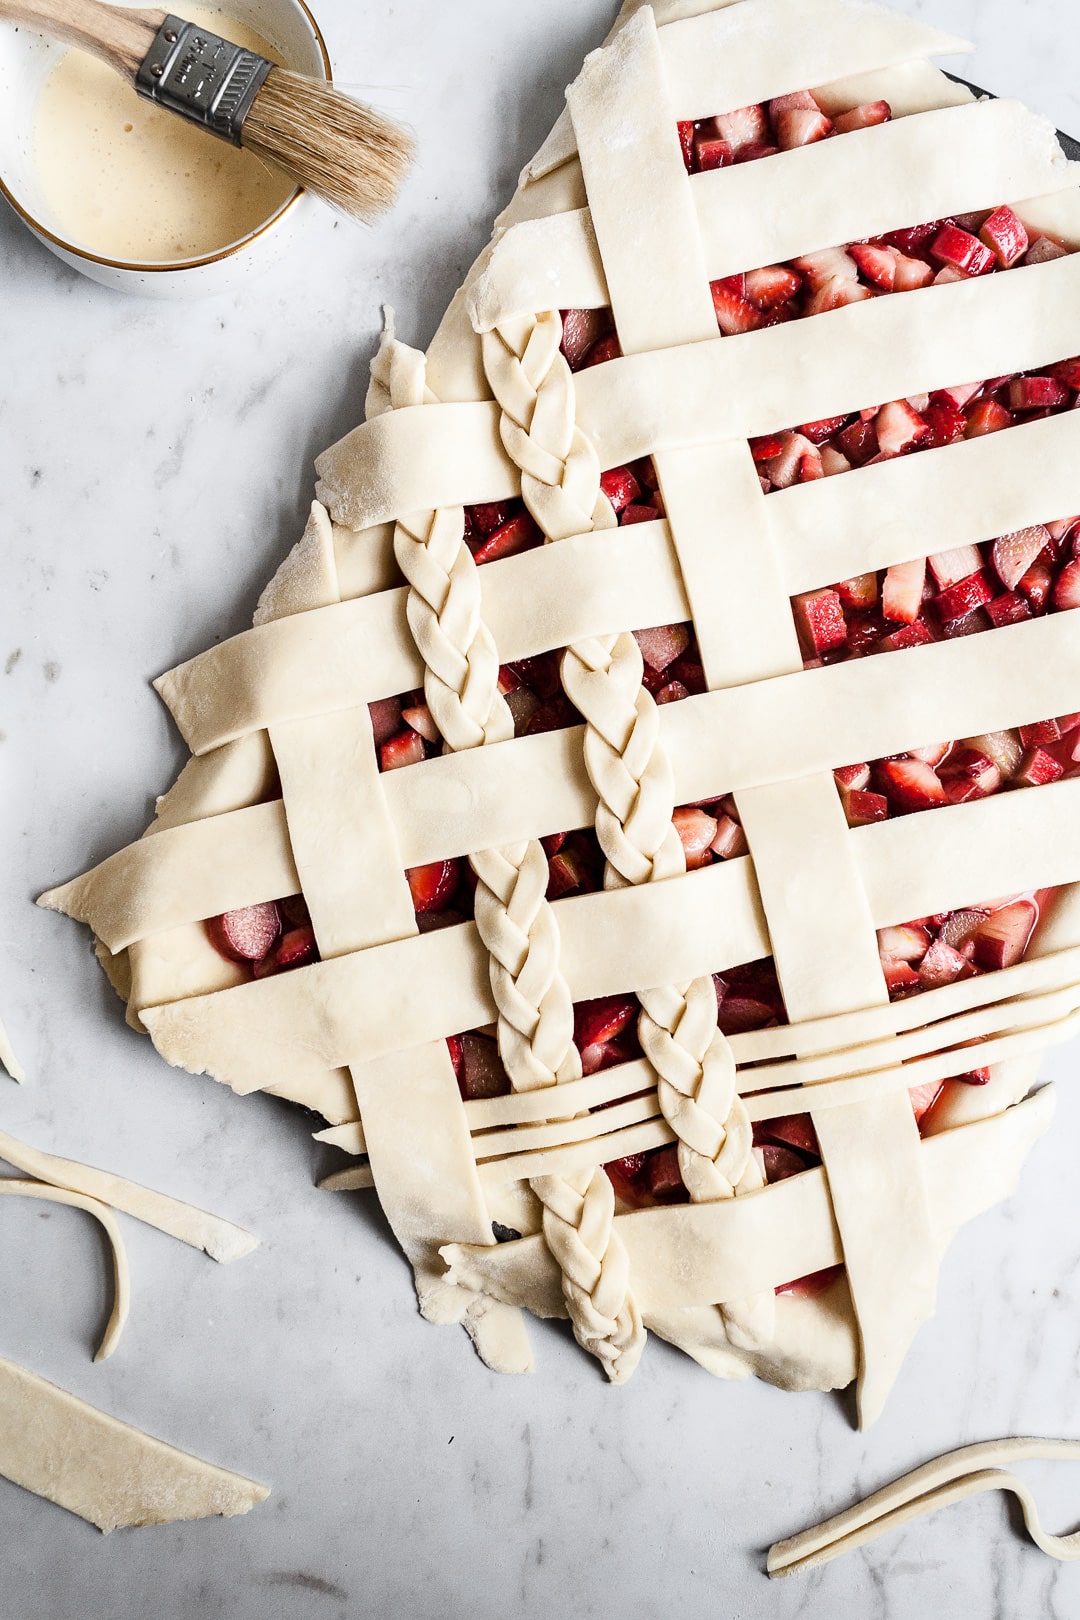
(334, 146)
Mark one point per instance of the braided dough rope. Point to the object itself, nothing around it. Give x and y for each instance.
(631, 773)
(515, 921)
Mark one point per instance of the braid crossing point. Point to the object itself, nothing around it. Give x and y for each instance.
(631, 773)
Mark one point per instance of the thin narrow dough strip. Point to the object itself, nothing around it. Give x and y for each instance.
(8, 1059)
(220, 1239)
(103, 1470)
(102, 1213)
(947, 1479)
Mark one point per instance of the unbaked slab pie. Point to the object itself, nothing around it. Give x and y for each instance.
(561, 831)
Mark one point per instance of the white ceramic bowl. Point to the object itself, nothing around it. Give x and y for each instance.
(26, 60)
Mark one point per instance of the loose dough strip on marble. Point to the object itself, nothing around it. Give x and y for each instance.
(121, 1274)
(937, 1484)
(219, 1238)
(8, 1059)
(105, 1471)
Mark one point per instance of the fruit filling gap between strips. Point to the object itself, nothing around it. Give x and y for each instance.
(645, 818)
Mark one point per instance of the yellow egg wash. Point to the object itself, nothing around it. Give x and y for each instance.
(127, 180)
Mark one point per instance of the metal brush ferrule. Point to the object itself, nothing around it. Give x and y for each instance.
(201, 76)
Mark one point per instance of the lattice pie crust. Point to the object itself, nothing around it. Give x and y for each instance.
(283, 794)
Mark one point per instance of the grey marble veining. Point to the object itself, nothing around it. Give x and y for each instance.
(156, 463)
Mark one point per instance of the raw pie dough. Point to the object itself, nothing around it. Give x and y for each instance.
(283, 793)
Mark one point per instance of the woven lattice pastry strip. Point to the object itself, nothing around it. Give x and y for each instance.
(560, 832)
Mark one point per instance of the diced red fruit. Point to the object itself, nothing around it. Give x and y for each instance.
(608, 348)
(986, 416)
(1038, 735)
(852, 776)
(781, 1162)
(1013, 554)
(858, 443)
(1001, 939)
(482, 1071)
(433, 886)
(686, 142)
(825, 266)
(910, 784)
(581, 328)
(861, 591)
(958, 248)
(960, 927)
(730, 840)
(877, 262)
(620, 486)
(789, 1130)
(964, 597)
(923, 1098)
(902, 591)
(904, 942)
(738, 1014)
(862, 117)
(457, 1057)
(711, 152)
(746, 126)
(1068, 372)
(901, 979)
(899, 428)
(811, 1286)
(663, 644)
(1037, 394)
(1043, 249)
(818, 432)
(1036, 585)
(407, 748)
(247, 934)
(911, 274)
(819, 620)
(757, 149)
(969, 774)
(566, 872)
(385, 719)
(419, 718)
(1008, 609)
(673, 692)
(637, 514)
(734, 314)
(1005, 236)
(801, 99)
(941, 965)
(946, 424)
(908, 635)
(696, 832)
(491, 515)
(1067, 586)
(627, 1176)
(800, 126)
(598, 1023)
(767, 447)
(295, 949)
(294, 912)
(1037, 768)
(863, 808)
(519, 533)
(662, 1176)
(948, 567)
(774, 285)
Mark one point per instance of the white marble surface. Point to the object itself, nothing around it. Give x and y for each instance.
(155, 463)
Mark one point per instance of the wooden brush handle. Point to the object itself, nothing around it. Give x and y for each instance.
(119, 36)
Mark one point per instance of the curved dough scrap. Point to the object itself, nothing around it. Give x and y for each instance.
(219, 1238)
(8, 1059)
(121, 1274)
(105, 1471)
(937, 1484)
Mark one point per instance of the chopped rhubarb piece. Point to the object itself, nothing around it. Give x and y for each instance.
(407, 748)
(863, 117)
(696, 831)
(818, 432)
(908, 635)
(520, 533)
(1000, 746)
(941, 965)
(819, 620)
(1002, 938)
(910, 784)
(968, 624)
(899, 428)
(903, 943)
(757, 149)
(1005, 236)
(566, 872)
(946, 424)
(491, 515)
(730, 841)
(627, 1176)
(673, 692)
(712, 152)
(1036, 585)
(801, 99)
(859, 592)
(686, 142)
(581, 329)
(734, 314)
(1037, 768)
(433, 886)
(483, 1074)
(248, 934)
(956, 397)
(597, 1024)
(781, 1162)
(852, 776)
(901, 594)
(962, 251)
(949, 567)
(746, 126)
(1014, 553)
(986, 416)
(739, 1013)
(1067, 586)
(784, 470)
(662, 1176)
(915, 239)
(858, 443)
(789, 1130)
(800, 126)
(661, 646)
(523, 706)
(772, 286)
(901, 979)
(608, 348)
(295, 949)
(419, 718)
(969, 774)
(964, 597)
(862, 809)
(1043, 249)
(832, 462)
(877, 263)
(1068, 372)
(385, 719)
(960, 927)
(1008, 609)
(1039, 735)
(294, 912)
(923, 1098)
(620, 486)
(1037, 394)
(637, 514)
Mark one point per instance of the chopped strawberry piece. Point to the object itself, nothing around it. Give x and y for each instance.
(865, 631)
(810, 466)
(730, 841)
(905, 942)
(858, 443)
(825, 266)
(1008, 609)
(819, 620)
(483, 1074)
(627, 1176)
(772, 286)
(786, 468)
(818, 432)
(865, 116)
(620, 486)
(295, 949)
(946, 424)
(1013, 554)
(734, 314)
(711, 152)
(519, 533)
(794, 99)
(637, 514)
(852, 776)
(956, 397)
(419, 718)
(662, 645)
(581, 328)
(964, 252)
(608, 348)
(859, 592)
(248, 934)
(433, 886)
(751, 153)
(1068, 372)
(964, 597)
(686, 142)
(765, 448)
(910, 784)
(407, 748)
(911, 274)
(457, 1057)
(385, 719)
(746, 126)
(789, 1130)
(1043, 249)
(1037, 394)
(832, 462)
(923, 1098)
(696, 832)
(673, 692)
(1067, 586)
(491, 515)
(1002, 938)
(1039, 735)
(877, 263)
(970, 774)
(941, 965)
(931, 754)
(902, 980)
(1036, 585)
(800, 126)
(294, 912)
(902, 591)
(1037, 768)
(986, 416)
(836, 294)
(899, 428)
(1005, 236)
